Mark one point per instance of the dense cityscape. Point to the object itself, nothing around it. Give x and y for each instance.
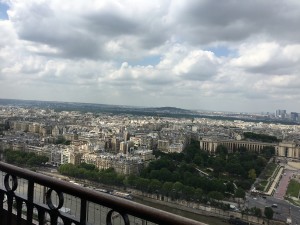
(72, 136)
(221, 163)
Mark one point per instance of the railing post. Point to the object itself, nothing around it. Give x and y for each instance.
(30, 193)
(19, 210)
(9, 207)
(1, 206)
(83, 212)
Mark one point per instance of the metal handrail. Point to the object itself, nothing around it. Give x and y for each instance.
(122, 206)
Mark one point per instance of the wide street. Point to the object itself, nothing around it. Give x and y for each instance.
(284, 208)
(282, 212)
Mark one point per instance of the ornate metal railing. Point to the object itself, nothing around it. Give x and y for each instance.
(39, 199)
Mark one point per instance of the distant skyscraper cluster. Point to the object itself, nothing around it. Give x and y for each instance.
(294, 116)
(281, 113)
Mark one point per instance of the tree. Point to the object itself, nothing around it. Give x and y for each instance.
(33, 161)
(261, 162)
(142, 183)
(260, 137)
(198, 160)
(188, 192)
(221, 150)
(154, 185)
(177, 189)
(252, 174)
(24, 158)
(164, 175)
(88, 166)
(268, 151)
(269, 213)
(130, 180)
(216, 195)
(257, 212)
(243, 150)
(178, 186)
(218, 165)
(198, 194)
(167, 188)
(234, 167)
(43, 159)
(230, 187)
(191, 150)
(240, 193)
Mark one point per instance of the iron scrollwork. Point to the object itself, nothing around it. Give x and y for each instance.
(49, 200)
(109, 217)
(14, 183)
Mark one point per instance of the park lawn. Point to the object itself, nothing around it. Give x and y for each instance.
(271, 167)
(264, 184)
(266, 174)
(261, 185)
(293, 188)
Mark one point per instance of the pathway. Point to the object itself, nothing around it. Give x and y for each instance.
(283, 184)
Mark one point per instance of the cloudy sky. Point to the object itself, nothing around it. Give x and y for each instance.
(195, 54)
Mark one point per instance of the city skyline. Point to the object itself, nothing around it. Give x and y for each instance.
(206, 55)
(147, 110)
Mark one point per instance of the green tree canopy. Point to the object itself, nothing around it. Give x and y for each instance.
(240, 193)
(260, 137)
(221, 150)
(252, 174)
(268, 151)
(216, 195)
(25, 158)
(269, 213)
(257, 212)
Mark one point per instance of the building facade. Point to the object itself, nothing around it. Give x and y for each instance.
(282, 149)
(288, 149)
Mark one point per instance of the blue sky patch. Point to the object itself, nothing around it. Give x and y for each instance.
(3, 11)
(150, 60)
(221, 51)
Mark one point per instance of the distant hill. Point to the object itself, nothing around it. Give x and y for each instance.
(135, 110)
(172, 110)
(100, 108)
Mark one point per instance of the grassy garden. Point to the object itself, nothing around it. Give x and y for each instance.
(292, 192)
(267, 177)
(261, 185)
(269, 170)
(293, 188)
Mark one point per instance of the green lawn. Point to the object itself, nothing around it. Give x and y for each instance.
(261, 185)
(271, 167)
(266, 174)
(264, 183)
(293, 188)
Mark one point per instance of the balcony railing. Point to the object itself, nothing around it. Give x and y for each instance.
(30, 198)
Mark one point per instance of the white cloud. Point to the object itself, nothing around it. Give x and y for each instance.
(92, 51)
(268, 58)
(197, 65)
(255, 55)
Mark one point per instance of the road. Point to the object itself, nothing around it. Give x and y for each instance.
(282, 212)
